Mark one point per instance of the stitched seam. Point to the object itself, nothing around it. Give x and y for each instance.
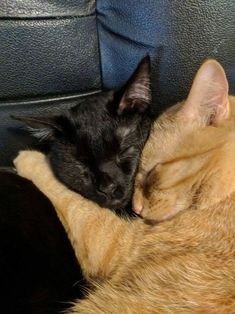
(99, 47)
(59, 17)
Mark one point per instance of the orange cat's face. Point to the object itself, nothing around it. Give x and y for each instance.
(182, 161)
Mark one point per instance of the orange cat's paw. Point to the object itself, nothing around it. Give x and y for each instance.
(26, 162)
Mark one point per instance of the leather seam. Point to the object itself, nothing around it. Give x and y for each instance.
(41, 100)
(59, 17)
(99, 47)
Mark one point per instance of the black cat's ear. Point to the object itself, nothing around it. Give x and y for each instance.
(137, 95)
(43, 128)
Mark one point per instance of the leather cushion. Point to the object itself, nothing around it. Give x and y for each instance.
(48, 48)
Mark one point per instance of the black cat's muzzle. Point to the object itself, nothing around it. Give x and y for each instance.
(114, 200)
(117, 204)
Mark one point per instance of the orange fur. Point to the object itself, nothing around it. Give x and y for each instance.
(185, 264)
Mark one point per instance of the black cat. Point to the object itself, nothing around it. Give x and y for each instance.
(94, 149)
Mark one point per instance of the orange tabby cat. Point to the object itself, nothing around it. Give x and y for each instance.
(186, 263)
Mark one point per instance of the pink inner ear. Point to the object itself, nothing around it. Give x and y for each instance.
(208, 97)
(138, 92)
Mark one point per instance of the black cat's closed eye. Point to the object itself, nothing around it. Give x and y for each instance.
(127, 150)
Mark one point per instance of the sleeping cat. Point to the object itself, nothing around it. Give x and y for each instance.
(95, 147)
(186, 262)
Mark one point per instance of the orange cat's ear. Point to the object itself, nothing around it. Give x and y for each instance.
(208, 97)
(137, 94)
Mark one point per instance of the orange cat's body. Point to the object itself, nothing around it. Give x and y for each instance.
(185, 264)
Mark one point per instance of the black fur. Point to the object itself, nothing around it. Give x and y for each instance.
(96, 146)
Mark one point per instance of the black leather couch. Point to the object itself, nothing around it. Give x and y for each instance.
(55, 52)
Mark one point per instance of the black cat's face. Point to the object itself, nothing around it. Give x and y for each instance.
(98, 152)
(96, 146)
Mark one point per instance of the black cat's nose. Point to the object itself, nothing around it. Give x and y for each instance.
(111, 189)
(118, 192)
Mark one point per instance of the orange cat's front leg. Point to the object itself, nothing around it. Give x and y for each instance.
(100, 238)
